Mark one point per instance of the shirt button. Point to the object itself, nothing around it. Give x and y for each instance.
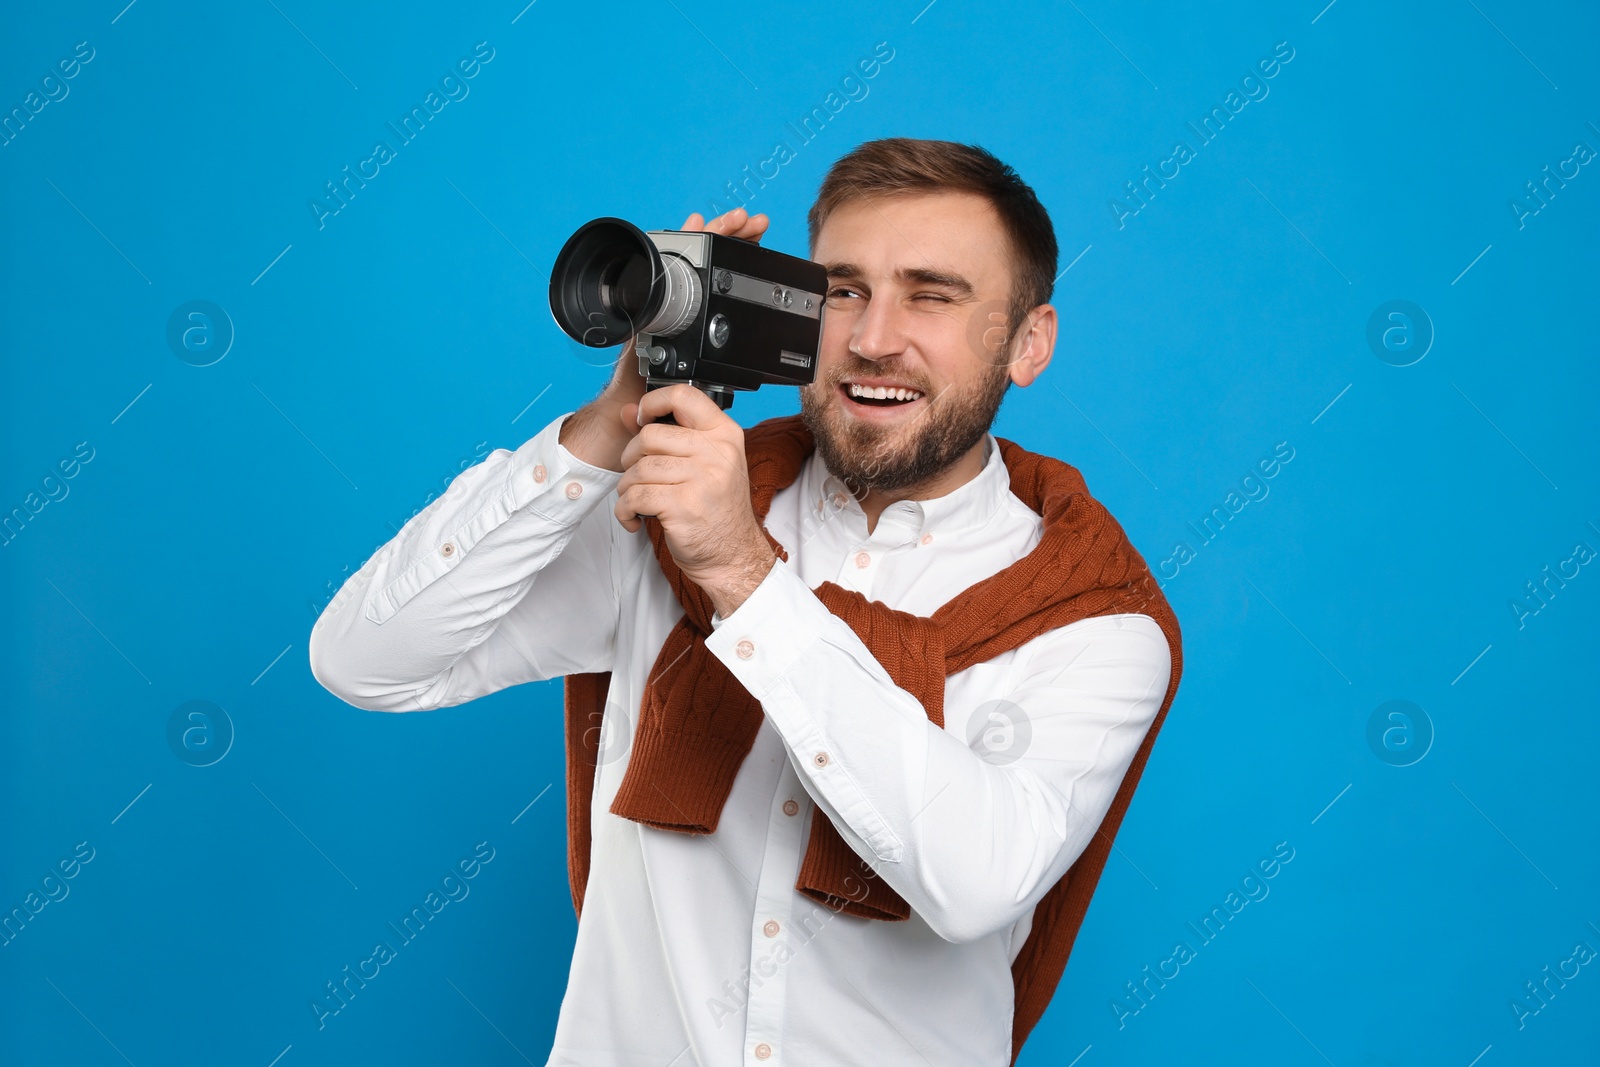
(790, 807)
(539, 473)
(838, 500)
(927, 539)
(770, 928)
(863, 559)
(447, 550)
(574, 490)
(763, 1051)
(745, 649)
(820, 759)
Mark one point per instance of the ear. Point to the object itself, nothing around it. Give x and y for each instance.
(1035, 344)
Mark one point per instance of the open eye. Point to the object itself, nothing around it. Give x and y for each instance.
(841, 291)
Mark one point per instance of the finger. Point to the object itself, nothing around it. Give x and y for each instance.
(659, 439)
(729, 221)
(655, 470)
(645, 500)
(695, 221)
(754, 228)
(687, 405)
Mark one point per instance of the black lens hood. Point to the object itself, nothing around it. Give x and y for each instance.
(575, 279)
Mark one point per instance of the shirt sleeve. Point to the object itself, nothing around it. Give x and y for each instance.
(970, 834)
(511, 576)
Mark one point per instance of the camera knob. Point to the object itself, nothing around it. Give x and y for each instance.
(656, 354)
(724, 281)
(717, 330)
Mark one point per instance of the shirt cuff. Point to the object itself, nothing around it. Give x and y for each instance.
(564, 485)
(764, 637)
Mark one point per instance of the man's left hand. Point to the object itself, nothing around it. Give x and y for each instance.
(692, 477)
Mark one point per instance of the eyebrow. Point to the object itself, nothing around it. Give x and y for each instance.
(922, 275)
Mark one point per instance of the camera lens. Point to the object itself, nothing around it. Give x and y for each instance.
(610, 282)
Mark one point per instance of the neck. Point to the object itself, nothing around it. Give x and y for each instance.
(953, 477)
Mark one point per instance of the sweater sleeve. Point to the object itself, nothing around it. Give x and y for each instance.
(971, 833)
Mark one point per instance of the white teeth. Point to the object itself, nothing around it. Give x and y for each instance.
(883, 392)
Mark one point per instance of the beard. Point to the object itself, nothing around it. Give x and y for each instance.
(866, 455)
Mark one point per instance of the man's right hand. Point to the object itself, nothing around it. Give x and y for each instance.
(597, 433)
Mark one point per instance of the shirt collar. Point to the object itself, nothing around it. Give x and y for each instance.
(971, 504)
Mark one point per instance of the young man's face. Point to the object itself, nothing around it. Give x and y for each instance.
(919, 285)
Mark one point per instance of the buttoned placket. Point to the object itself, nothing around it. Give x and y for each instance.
(773, 923)
(899, 524)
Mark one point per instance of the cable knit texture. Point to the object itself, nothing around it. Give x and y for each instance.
(697, 723)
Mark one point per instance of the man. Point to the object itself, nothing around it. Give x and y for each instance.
(843, 708)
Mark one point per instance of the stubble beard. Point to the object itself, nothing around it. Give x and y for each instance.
(889, 458)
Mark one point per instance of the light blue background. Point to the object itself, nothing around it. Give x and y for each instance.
(412, 332)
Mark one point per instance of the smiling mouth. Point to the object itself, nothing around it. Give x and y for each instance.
(863, 399)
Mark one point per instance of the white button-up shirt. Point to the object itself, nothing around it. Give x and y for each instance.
(697, 949)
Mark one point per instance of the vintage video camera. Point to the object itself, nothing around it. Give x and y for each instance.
(720, 313)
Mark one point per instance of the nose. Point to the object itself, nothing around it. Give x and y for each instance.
(878, 331)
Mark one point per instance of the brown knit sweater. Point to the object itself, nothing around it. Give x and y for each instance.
(697, 722)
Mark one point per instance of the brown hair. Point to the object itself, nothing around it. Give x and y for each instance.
(896, 165)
